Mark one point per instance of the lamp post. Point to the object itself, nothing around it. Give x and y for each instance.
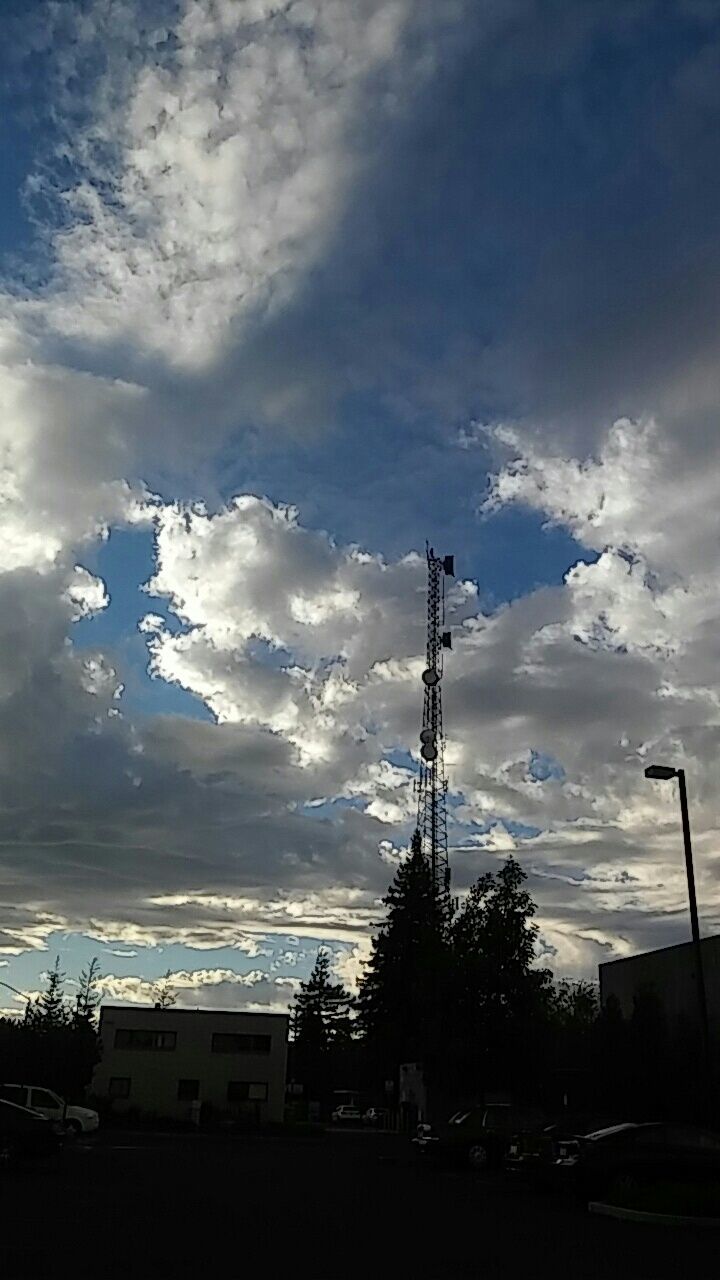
(664, 773)
(16, 992)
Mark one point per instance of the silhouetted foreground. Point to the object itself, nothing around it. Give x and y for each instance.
(338, 1205)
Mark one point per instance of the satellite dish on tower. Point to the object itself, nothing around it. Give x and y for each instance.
(427, 735)
(430, 677)
(428, 751)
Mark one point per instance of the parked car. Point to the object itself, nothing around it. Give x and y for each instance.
(345, 1114)
(25, 1135)
(535, 1150)
(476, 1136)
(49, 1104)
(600, 1162)
(376, 1116)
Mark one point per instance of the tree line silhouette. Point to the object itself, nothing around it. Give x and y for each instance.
(459, 992)
(56, 1042)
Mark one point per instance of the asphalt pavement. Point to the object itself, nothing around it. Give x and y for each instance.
(342, 1204)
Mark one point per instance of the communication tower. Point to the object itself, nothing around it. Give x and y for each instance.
(432, 783)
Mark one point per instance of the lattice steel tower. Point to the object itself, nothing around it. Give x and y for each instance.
(432, 783)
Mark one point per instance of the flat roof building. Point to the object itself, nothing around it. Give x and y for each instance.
(670, 974)
(169, 1062)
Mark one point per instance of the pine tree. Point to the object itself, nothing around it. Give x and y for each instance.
(322, 1008)
(88, 996)
(49, 1011)
(403, 989)
(322, 1027)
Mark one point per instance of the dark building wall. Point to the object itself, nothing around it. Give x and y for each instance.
(670, 972)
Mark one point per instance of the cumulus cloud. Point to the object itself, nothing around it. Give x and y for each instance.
(206, 989)
(295, 793)
(212, 175)
(591, 676)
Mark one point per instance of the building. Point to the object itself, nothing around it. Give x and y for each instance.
(171, 1062)
(670, 974)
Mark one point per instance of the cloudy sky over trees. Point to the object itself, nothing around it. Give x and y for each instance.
(288, 288)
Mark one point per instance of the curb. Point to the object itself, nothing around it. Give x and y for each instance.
(653, 1219)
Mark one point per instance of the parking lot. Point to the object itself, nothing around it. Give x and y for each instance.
(341, 1204)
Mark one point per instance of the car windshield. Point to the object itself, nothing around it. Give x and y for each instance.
(10, 1111)
(610, 1132)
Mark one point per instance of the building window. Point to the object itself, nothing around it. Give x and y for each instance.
(119, 1087)
(127, 1038)
(247, 1091)
(188, 1090)
(233, 1042)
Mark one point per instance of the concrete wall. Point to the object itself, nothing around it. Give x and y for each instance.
(671, 973)
(154, 1073)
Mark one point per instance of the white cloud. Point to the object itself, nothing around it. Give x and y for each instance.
(217, 847)
(231, 156)
(595, 674)
(87, 594)
(210, 165)
(206, 988)
(349, 965)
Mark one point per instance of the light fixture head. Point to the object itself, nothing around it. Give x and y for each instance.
(663, 772)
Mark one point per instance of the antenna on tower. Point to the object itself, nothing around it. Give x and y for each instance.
(432, 783)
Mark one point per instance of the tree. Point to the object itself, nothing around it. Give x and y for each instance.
(55, 1045)
(322, 1027)
(571, 1042)
(49, 1011)
(87, 999)
(499, 997)
(402, 1001)
(575, 1004)
(163, 993)
(322, 1013)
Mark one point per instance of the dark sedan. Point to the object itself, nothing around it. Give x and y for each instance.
(639, 1154)
(477, 1136)
(25, 1135)
(534, 1151)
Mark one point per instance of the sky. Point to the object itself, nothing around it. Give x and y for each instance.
(287, 289)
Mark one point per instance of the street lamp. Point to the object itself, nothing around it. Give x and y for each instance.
(664, 773)
(16, 992)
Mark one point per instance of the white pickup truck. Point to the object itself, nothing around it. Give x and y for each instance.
(75, 1119)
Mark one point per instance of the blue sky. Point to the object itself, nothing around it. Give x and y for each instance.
(279, 303)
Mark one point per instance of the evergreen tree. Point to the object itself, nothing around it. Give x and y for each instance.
(87, 999)
(322, 1030)
(322, 1013)
(403, 990)
(49, 1011)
